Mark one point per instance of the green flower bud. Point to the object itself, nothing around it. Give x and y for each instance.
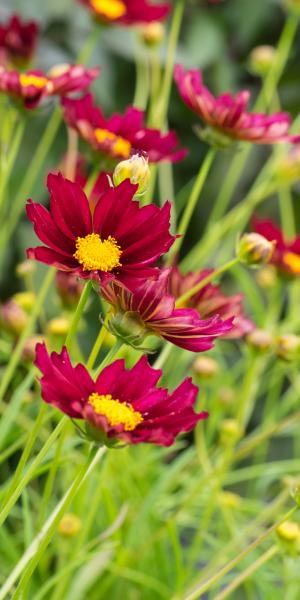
(152, 34)
(254, 249)
(261, 59)
(128, 327)
(25, 300)
(288, 347)
(205, 367)
(136, 169)
(260, 339)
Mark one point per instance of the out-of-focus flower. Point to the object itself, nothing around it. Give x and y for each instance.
(227, 117)
(136, 169)
(287, 167)
(13, 317)
(18, 40)
(205, 367)
(150, 309)
(292, 5)
(288, 347)
(70, 525)
(32, 87)
(152, 34)
(229, 499)
(288, 531)
(69, 288)
(230, 431)
(266, 277)
(210, 300)
(120, 136)
(28, 352)
(260, 339)
(25, 269)
(261, 59)
(121, 405)
(58, 326)
(286, 254)
(127, 12)
(254, 249)
(119, 240)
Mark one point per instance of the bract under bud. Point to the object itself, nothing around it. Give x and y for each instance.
(254, 249)
(261, 59)
(152, 34)
(136, 169)
(128, 327)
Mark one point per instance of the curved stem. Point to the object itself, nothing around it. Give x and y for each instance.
(78, 313)
(12, 155)
(110, 356)
(201, 284)
(98, 344)
(287, 212)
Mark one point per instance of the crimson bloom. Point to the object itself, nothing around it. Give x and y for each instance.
(210, 301)
(127, 12)
(150, 309)
(121, 405)
(286, 254)
(120, 136)
(228, 116)
(113, 239)
(33, 86)
(18, 41)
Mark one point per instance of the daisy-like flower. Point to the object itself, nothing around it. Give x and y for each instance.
(227, 115)
(150, 309)
(210, 301)
(121, 405)
(32, 87)
(120, 136)
(114, 238)
(17, 41)
(286, 254)
(127, 12)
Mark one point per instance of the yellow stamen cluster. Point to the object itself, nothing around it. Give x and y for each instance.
(116, 412)
(119, 145)
(292, 261)
(112, 9)
(95, 254)
(36, 80)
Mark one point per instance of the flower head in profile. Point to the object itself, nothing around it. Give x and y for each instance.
(18, 41)
(227, 116)
(113, 238)
(120, 136)
(210, 301)
(150, 309)
(127, 12)
(286, 254)
(32, 87)
(121, 405)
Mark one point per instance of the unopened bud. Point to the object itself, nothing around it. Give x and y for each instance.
(254, 249)
(25, 300)
(266, 277)
(287, 168)
(288, 346)
(25, 268)
(205, 367)
(70, 525)
(59, 326)
(28, 352)
(136, 169)
(152, 34)
(261, 59)
(288, 531)
(128, 327)
(229, 499)
(260, 339)
(69, 288)
(226, 396)
(230, 431)
(13, 318)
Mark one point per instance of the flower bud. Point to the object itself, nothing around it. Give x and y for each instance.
(70, 525)
(254, 249)
(136, 169)
(128, 327)
(229, 499)
(230, 431)
(287, 168)
(25, 300)
(59, 326)
(28, 352)
(152, 34)
(12, 317)
(226, 396)
(69, 288)
(266, 277)
(288, 346)
(205, 367)
(288, 531)
(25, 268)
(261, 59)
(260, 339)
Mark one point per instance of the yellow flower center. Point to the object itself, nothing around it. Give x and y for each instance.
(36, 80)
(112, 9)
(292, 260)
(116, 412)
(95, 254)
(119, 145)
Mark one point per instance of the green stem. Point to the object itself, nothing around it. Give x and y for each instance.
(98, 344)
(92, 180)
(191, 204)
(12, 155)
(78, 314)
(15, 357)
(141, 93)
(163, 356)
(110, 356)
(214, 274)
(287, 212)
(89, 46)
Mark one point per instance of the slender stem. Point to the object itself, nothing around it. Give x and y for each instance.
(110, 356)
(201, 284)
(98, 344)
(15, 357)
(78, 313)
(163, 356)
(191, 204)
(287, 212)
(141, 93)
(12, 155)
(89, 45)
(92, 180)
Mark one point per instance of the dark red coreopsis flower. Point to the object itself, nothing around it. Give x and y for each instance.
(150, 309)
(120, 136)
(32, 87)
(113, 239)
(121, 405)
(286, 254)
(210, 301)
(127, 12)
(228, 115)
(17, 41)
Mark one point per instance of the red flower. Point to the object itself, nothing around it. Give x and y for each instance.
(228, 115)
(18, 41)
(121, 404)
(153, 308)
(286, 254)
(127, 12)
(33, 86)
(120, 136)
(118, 239)
(210, 301)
